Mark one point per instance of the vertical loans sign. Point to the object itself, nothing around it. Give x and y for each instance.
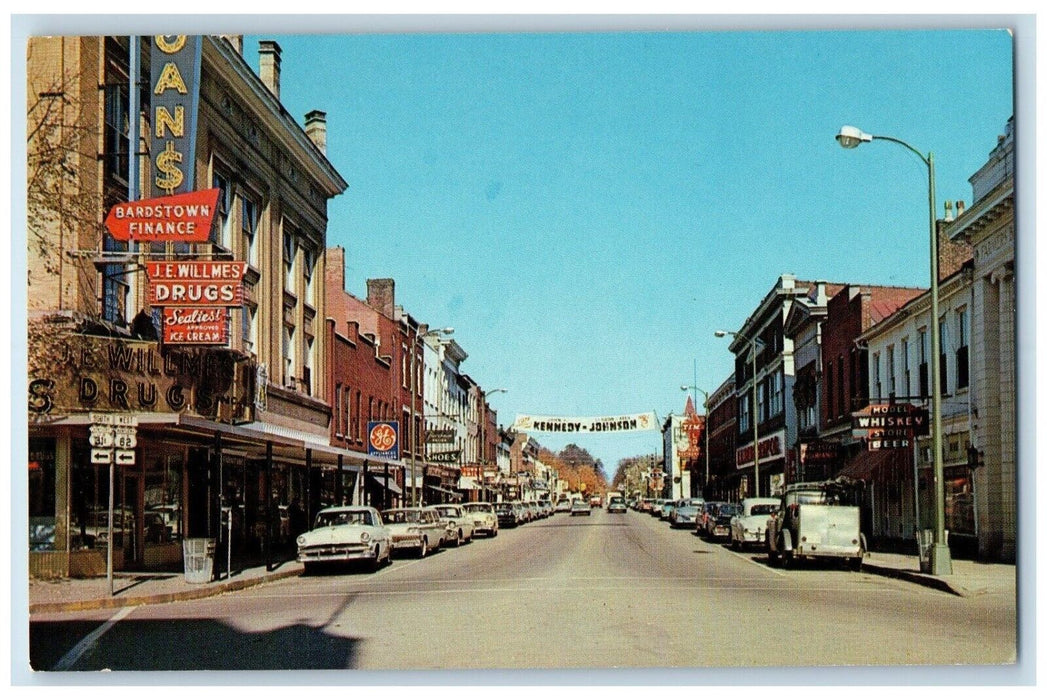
(175, 83)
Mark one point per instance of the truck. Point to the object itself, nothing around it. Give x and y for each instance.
(816, 520)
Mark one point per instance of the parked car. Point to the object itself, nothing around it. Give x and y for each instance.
(707, 515)
(581, 507)
(655, 507)
(346, 534)
(665, 511)
(616, 504)
(683, 516)
(595, 502)
(419, 529)
(564, 506)
(547, 507)
(748, 524)
(509, 514)
(817, 519)
(720, 525)
(485, 520)
(460, 527)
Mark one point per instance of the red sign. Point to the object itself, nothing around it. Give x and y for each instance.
(179, 218)
(196, 283)
(196, 326)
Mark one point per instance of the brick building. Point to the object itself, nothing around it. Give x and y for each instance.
(234, 431)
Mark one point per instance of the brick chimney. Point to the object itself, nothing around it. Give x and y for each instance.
(381, 295)
(316, 129)
(269, 66)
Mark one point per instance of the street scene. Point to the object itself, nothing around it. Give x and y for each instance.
(521, 350)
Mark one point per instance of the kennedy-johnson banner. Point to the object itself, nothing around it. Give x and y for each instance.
(601, 424)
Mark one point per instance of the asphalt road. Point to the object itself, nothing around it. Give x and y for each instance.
(606, 591)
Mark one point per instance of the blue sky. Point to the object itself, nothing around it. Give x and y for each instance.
(585, 209)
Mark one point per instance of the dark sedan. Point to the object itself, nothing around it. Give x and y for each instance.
(509, 514)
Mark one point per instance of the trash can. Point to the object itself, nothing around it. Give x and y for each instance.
(198, 558)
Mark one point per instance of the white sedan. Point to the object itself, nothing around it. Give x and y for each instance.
(484, 518)
(344, 534)
(419, 529)
(460, 525)
(747, 527)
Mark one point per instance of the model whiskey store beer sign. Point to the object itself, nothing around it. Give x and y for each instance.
(890, 425)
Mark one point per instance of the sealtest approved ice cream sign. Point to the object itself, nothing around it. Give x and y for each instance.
(194, 296)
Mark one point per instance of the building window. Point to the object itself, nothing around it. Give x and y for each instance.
(289, 359)
(892, 384)
(307, 366)
(924, 373)
(249, 326)
(830, 394)
(776, 394)
(289, 248)
(117, 128)
(963, 370)
(942, 356)
(905, 368)
(877, 384)
(840, 388)
(220, 229)
(308, 268)
(744, 408)
(249, 228)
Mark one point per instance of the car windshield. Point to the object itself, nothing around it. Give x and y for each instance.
(762, 509)
(686, 510)
(402, 516)
(448, 512)
(478, 508)
(729, 509)
(503, 508)
(344, 517)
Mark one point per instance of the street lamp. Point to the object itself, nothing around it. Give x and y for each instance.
(753, 343)
(705, 405)
(941, 559)
(435, 332)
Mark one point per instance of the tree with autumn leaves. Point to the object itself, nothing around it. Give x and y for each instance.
(575, 465)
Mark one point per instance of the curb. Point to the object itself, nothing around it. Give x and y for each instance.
(915, 577)
(157, 598)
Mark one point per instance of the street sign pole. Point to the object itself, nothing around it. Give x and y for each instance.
(109, 537)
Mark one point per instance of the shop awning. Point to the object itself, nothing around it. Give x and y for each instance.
(389, 484)
(867, 463)
(468, 484)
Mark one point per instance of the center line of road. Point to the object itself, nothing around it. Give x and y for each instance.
(84, 645)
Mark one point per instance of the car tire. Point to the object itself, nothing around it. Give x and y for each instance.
(458, 539)
(494, 533)
(423, 548)
(855, 563)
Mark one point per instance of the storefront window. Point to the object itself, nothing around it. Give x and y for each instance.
(959, 505)
(163, 499)
(41, 494)
(89, 512)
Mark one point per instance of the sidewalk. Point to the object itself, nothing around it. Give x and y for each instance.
(969, 578)
(133, 589)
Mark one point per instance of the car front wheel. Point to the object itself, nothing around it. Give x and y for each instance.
(423, 548)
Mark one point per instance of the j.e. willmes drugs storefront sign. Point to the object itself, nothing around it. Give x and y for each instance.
(71, 373)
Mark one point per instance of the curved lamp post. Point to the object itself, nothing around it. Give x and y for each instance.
(941, 560)
(753, 343)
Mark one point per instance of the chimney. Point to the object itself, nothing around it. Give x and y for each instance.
(960, 208)
(381, 295)
(316, 129)
(948, 211)
(269, 66)
(236, 41)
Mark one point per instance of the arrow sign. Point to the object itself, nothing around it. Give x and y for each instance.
(102, 456)
(181, 218)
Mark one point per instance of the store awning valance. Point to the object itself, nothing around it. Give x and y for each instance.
(868, 463)
(468, 484)
(389, 484)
